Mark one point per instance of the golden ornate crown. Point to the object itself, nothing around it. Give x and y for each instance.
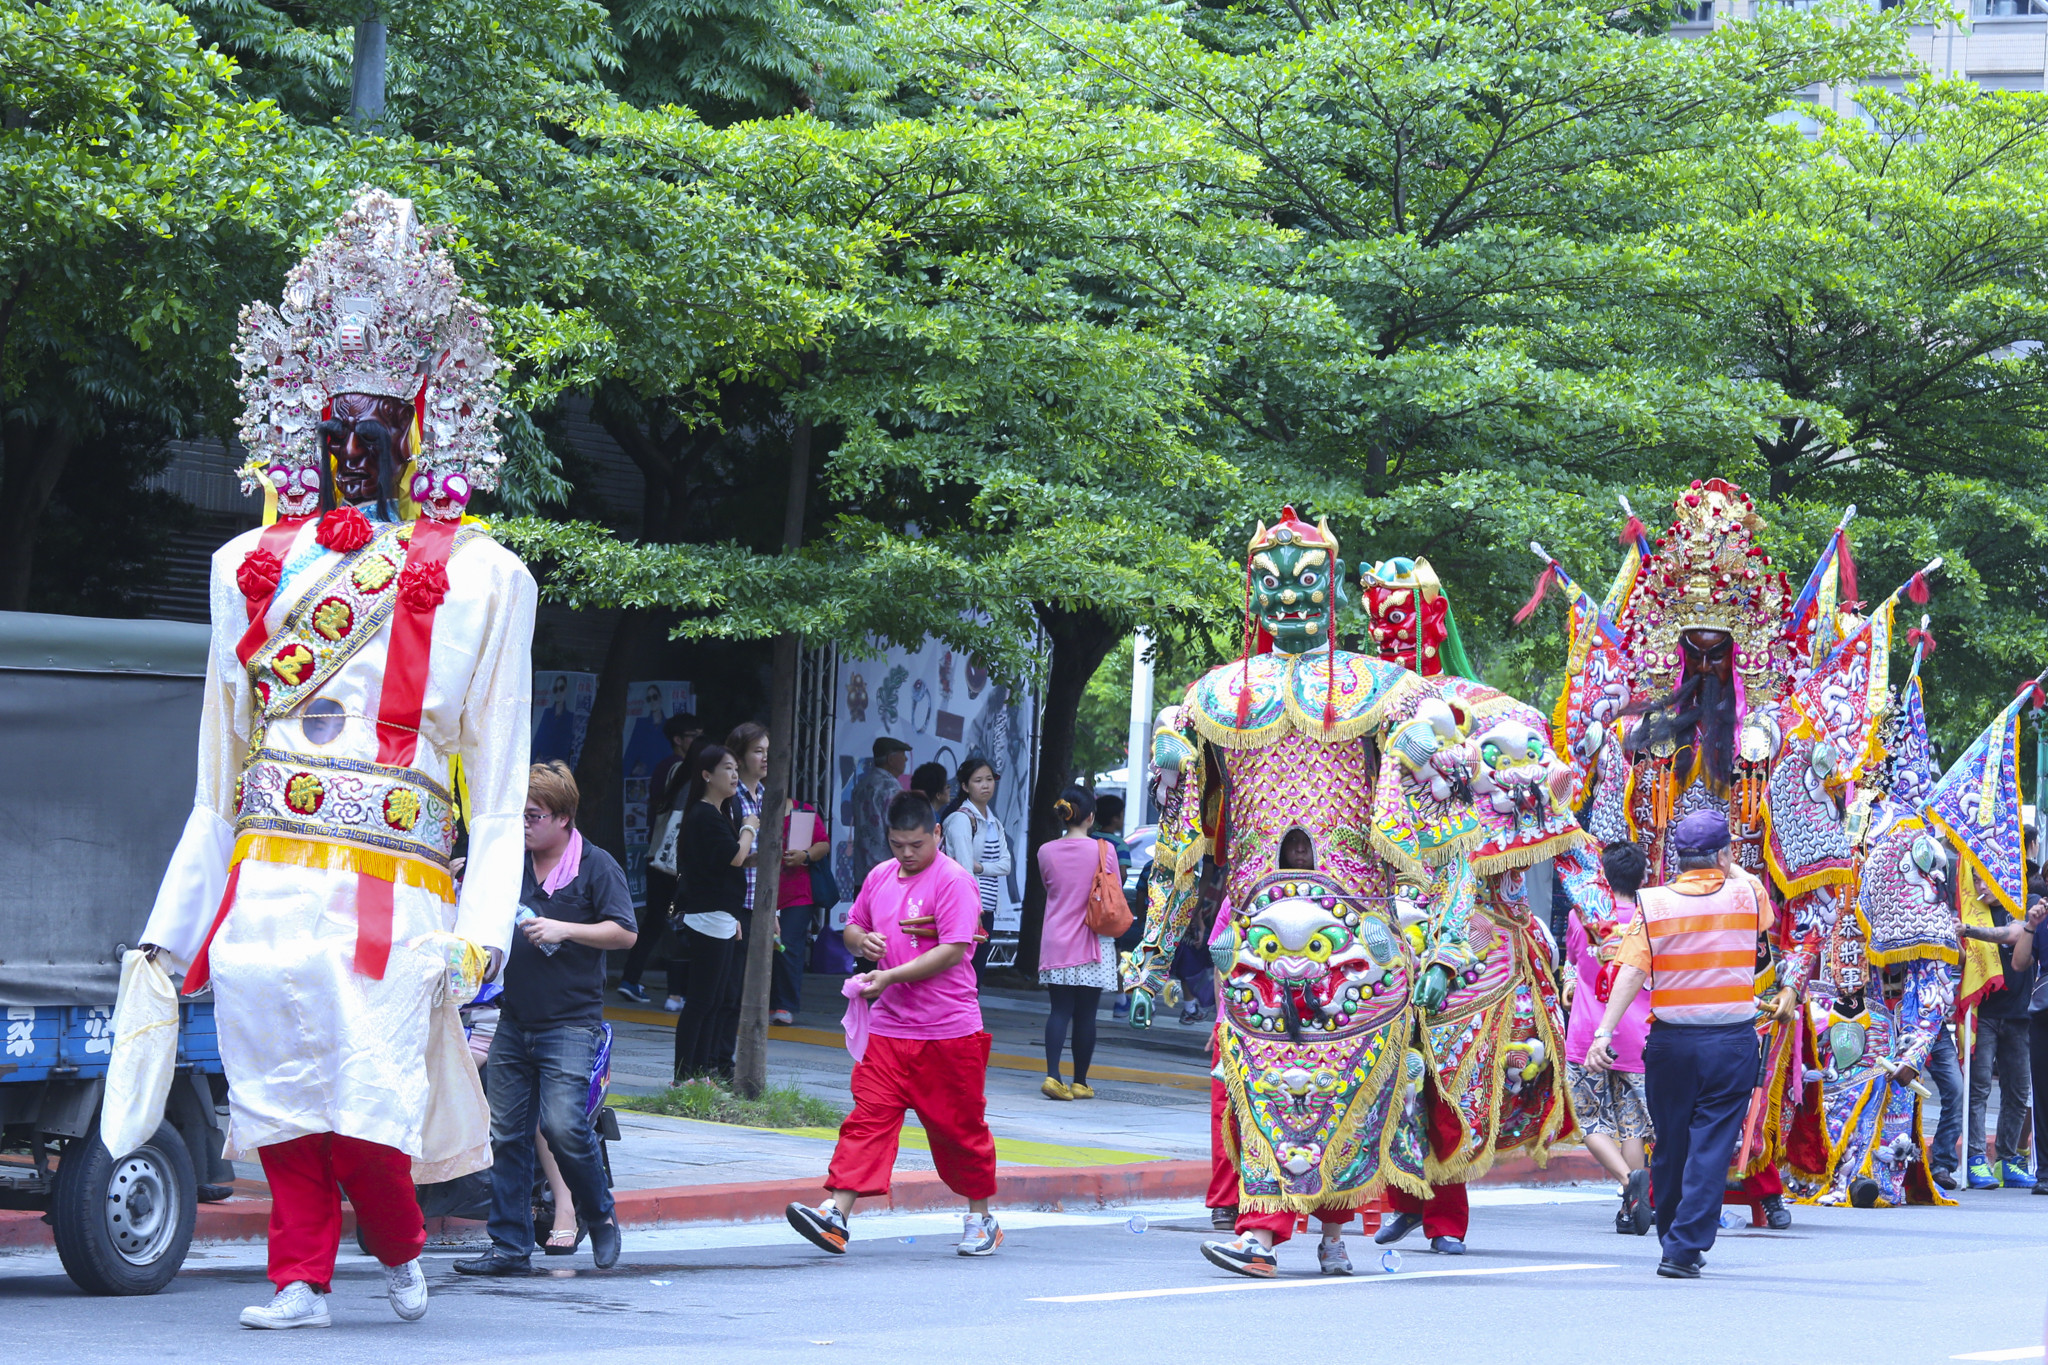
(1292, 530)
(1709, 574)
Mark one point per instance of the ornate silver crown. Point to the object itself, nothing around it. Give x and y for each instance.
(373, 308)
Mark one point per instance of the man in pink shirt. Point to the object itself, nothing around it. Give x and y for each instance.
(926, 1049)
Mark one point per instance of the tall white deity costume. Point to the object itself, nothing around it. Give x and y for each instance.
(367, 703)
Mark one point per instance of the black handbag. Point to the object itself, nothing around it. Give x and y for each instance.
(824, 886)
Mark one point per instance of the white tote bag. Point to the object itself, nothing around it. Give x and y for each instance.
(145, 1055)
(663, 858)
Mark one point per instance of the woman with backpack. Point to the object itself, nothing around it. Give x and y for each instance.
(974, 838)
(1076, 962)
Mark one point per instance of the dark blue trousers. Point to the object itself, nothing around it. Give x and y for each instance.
(1697, 1082)
(541, 1079)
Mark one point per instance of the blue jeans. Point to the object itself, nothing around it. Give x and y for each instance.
(546, 1070)
(1697, 1083)
(1947, 1074)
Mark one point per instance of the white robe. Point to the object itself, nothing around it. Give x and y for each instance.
(308, 1044)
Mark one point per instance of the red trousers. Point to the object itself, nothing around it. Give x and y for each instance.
(1444, 1214)
(946, 1081)
(305, 1207)
(1222, 1170)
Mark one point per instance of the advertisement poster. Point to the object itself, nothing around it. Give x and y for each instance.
(944, 706)
(561, 715)
(648, 704)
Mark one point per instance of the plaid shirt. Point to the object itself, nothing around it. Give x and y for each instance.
(749, 803)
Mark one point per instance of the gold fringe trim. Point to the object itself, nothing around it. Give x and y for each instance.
(1931, 952)
(1421, 867)
(1977, 866)
(1528, 855)
(1795, 886)
(332, 857)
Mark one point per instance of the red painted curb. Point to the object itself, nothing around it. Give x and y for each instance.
(245, 1218)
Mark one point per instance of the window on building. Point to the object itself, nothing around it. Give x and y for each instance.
(1703, 13)
(2011, 9)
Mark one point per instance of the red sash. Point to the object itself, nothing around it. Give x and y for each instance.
(398, 723)
(277, 539)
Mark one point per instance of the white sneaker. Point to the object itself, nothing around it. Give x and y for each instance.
(296, 1305)
(979, 1235)
(674, 1004)
(406, 1287)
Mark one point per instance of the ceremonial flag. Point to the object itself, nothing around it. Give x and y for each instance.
(1831, 584)
(1844, 698)
(1977, 805)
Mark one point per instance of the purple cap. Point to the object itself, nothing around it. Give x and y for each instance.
(1702, 832)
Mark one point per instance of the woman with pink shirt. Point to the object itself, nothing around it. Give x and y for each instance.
(1613, 1118)
(1075, 964)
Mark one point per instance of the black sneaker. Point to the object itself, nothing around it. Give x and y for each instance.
(1225, 1219)
(1776, 1216)
(1678, 1270)
(604, 1244)
(1395, 1228)
(823, 1227)
(1447, 1246)
(492, 1263)
(1637, 1201)
(633, 991)
(1243, 1255)
(1863, 1194)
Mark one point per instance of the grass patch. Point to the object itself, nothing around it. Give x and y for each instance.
(780, 1106)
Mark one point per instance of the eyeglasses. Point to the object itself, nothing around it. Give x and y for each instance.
(534, 817)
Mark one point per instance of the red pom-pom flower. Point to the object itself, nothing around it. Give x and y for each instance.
(344, 530)
(422, 586)
(257, 578)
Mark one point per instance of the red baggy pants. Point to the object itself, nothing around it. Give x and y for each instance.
(946, 1081)
(1222, 1170)
(1444, 1214)
(305, 1207)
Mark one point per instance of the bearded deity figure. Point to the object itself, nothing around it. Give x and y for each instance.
(1495, 1045)
(1311, 785)
(1684, 694)
(366, 706)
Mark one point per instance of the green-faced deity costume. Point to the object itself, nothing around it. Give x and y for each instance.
(1314, 793)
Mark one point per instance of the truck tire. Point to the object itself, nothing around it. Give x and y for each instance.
(123, 1227)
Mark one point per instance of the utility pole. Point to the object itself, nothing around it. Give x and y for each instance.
(366, 89)
(1138, 788)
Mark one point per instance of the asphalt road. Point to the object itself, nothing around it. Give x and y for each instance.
(1547, 1281)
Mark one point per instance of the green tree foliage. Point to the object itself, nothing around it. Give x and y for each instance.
(139, 192)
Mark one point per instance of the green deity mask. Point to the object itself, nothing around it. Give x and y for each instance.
(1296, 577)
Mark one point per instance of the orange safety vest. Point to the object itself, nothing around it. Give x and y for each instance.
(1702, 950)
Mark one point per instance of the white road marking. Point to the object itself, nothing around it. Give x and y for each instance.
(1320, 1282)
(2015, 1353)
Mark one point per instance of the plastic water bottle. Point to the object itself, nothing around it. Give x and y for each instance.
(525, 913)
(1390, 1261)
(1733, 1218)
(1136, 1223)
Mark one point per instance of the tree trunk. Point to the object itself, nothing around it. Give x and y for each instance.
(602, 813)
(750, 1066)
(30, 465)
(1081, 640)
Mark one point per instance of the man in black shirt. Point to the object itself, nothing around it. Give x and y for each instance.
(573, 906)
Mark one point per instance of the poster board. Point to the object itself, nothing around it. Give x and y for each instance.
(946, 708)
(561, 714)
(643, 751)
